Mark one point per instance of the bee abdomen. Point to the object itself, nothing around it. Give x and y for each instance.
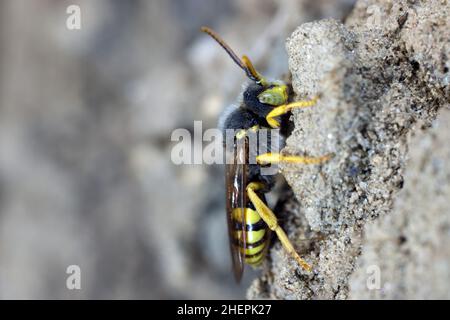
(256, 236)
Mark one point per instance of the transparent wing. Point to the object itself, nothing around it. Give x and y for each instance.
(236, 199)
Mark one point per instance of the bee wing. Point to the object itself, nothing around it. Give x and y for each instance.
(236, 198)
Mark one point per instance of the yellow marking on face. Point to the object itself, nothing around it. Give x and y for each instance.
(274, 96)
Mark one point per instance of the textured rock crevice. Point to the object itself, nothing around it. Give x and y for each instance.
(382, 77)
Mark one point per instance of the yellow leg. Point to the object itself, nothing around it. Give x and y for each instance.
(269, 158)
(285, 108)
(271, 220)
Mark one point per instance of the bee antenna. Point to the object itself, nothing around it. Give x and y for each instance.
(244, 66)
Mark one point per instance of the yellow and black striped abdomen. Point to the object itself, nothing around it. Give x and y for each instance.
(256, 235)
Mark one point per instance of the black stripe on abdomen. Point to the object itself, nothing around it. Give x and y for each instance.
(250, 227)
(251, 245)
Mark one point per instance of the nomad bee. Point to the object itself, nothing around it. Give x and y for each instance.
(264, 105)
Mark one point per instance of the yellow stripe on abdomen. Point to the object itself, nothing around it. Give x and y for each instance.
(256, 239)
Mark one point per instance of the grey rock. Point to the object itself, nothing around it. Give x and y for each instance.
(375, 84)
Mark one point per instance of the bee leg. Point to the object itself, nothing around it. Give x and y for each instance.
(272, 158)
(271, 220)
(285, 108)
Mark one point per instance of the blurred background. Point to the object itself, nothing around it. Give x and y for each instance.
(86, 118)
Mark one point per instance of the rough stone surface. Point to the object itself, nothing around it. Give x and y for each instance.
(410, 246)
(379, 75)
